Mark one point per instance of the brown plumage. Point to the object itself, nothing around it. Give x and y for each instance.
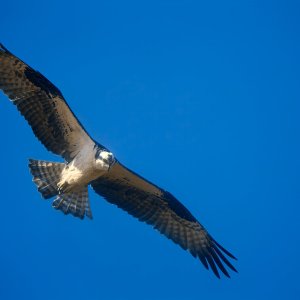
(54, 124)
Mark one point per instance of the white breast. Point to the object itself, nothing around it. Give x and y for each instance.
(81, 170)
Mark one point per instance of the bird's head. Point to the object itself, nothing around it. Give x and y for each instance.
(104, 159)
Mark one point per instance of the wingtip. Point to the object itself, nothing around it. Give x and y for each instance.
(229, 254)
(223, 249)
(234, 269)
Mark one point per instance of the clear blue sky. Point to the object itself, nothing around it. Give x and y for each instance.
(200, 97)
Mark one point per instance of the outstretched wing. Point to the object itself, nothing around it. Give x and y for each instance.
(152, 205)
(42, 105)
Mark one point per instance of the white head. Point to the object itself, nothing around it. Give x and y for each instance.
(104, 160)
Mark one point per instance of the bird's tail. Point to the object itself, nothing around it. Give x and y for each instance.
(46, 176)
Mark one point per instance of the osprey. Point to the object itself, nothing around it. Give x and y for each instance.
(90, 163)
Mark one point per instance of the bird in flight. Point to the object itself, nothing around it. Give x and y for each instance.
(90, 163)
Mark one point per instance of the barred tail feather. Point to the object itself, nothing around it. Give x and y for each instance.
(75, 203)
(46, 176)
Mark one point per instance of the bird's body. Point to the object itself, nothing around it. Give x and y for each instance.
(88, 163)
(86, 166)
